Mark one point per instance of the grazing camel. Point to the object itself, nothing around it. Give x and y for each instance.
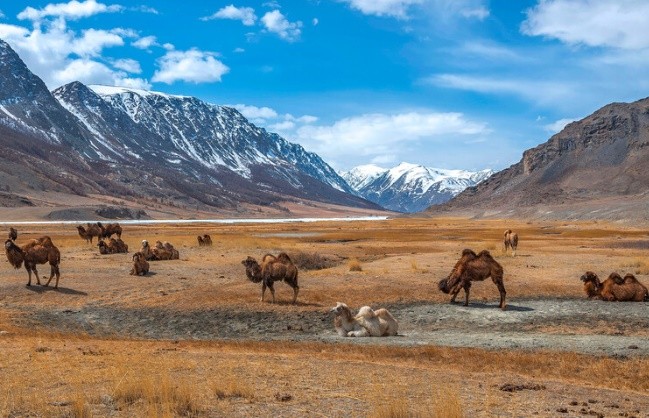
(204, 241)
(511, 241)
(90, 232)
(113, 246)
(473, 267)
(140, 265)
(271, 270)
(13, 234)
(366, 323)
(38, 251)
(615, 288)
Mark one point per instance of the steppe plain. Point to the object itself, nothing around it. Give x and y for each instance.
(193, 339)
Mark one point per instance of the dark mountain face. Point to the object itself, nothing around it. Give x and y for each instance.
(600, 157)
(148, 146)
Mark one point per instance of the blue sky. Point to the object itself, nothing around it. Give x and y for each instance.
(464, 84)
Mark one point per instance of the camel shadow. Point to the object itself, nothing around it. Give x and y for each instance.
(63, 290)
(298, 303)
(479, 305)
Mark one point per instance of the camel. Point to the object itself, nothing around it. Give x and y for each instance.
(511, 241)
(38, 251)
(366, 323)
(140, 265)
(271, 270)
(110, 229)
(473, 267)
(165, 251)
(13, 234)
(113, 246)
(204, 240)
(615, 288)
(90, 232)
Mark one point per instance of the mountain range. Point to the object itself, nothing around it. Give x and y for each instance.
(595, 168)
(148, 148)
(410, 187)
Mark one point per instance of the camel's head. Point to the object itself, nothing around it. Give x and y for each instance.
(81, 228)
(253, 269)
(138, 256)
(145, 243)
(592, 285)
(9, 244)
(589, 276)
(443, 285)
(341, 309)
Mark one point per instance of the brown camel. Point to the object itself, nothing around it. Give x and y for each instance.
(511, 241)
(204, 240)
(113, 246)
(165, 251)
(110, 229)
(140, 265)
(38, 251)
(272, 269)
(90, 232)
(615, 288)
(473, 267)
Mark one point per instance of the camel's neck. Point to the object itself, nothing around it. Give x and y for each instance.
(254, 273)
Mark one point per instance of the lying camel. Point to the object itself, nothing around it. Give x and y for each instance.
(140, 265)
(366, 323)
(615, 288)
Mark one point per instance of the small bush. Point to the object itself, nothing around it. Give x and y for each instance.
(311, 261)
(355, 265)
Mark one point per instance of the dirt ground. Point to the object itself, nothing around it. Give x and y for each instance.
(191, 319)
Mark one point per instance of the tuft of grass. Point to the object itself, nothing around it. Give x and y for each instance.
(391, 408)
(159, 394)
(232, 388)
(355, 265)
(448, 404)
(80, 407)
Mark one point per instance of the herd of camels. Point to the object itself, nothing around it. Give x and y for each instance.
(471, 267)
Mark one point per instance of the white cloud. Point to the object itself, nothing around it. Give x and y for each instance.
(315, 21)
(239, 50)
(608, 23)
(128, 65)
(392, 8)
(480, 13)
(245, 14)
(379, 134)
(146, 9)
(557, 126)
(192, 66)
(255, 113)
(92, 72)
(145, 42)
(284, 126)
(93, 41)
(73, 10)
(2, 15)
(275, 22)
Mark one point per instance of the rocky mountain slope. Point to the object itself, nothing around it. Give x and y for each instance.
(148, 147)
(593, 168)
(410, 187)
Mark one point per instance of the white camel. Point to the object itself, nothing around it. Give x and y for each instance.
(366, 323)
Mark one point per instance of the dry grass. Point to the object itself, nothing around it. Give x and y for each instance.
(354, 265)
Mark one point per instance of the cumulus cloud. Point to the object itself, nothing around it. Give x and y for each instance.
(145, 42)
(92, 72)
(73, 10)
(93, 41)
(146, 9)
(245, 14)
(275, 22)
(192, 66)
(608, 23)
(255, 113)
(128, 65)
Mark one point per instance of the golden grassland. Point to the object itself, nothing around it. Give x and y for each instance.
(53, 373)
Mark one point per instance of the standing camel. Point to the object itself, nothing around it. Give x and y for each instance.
(38, 251)
(511, 240)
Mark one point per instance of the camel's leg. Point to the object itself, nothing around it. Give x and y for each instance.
(296, 289)
(272, 290)
(359, 333)
(38, 280)
(263, 290)
(54, 271)
(454, 294)
(467, 288)
(29, 273)
(498, 281)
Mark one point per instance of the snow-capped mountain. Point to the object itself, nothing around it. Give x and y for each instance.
(410, 187)
(156, 145)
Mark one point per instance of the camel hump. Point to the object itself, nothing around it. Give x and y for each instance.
(484, 253)
(468, 251)
(268, 258)
(616, 278)
(284, 258)
(630, 278)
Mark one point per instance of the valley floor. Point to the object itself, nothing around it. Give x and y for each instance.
(193, 339)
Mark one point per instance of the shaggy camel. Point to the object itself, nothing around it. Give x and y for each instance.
(511, 241)
(140, 265)
(110, 229)
(13, 234)
(615, 288)
(90, 232)
(38, 251)
(473, 267)
(366, 323)
(165, 251)
(272, 269)
(204, 240)
(113, 246)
